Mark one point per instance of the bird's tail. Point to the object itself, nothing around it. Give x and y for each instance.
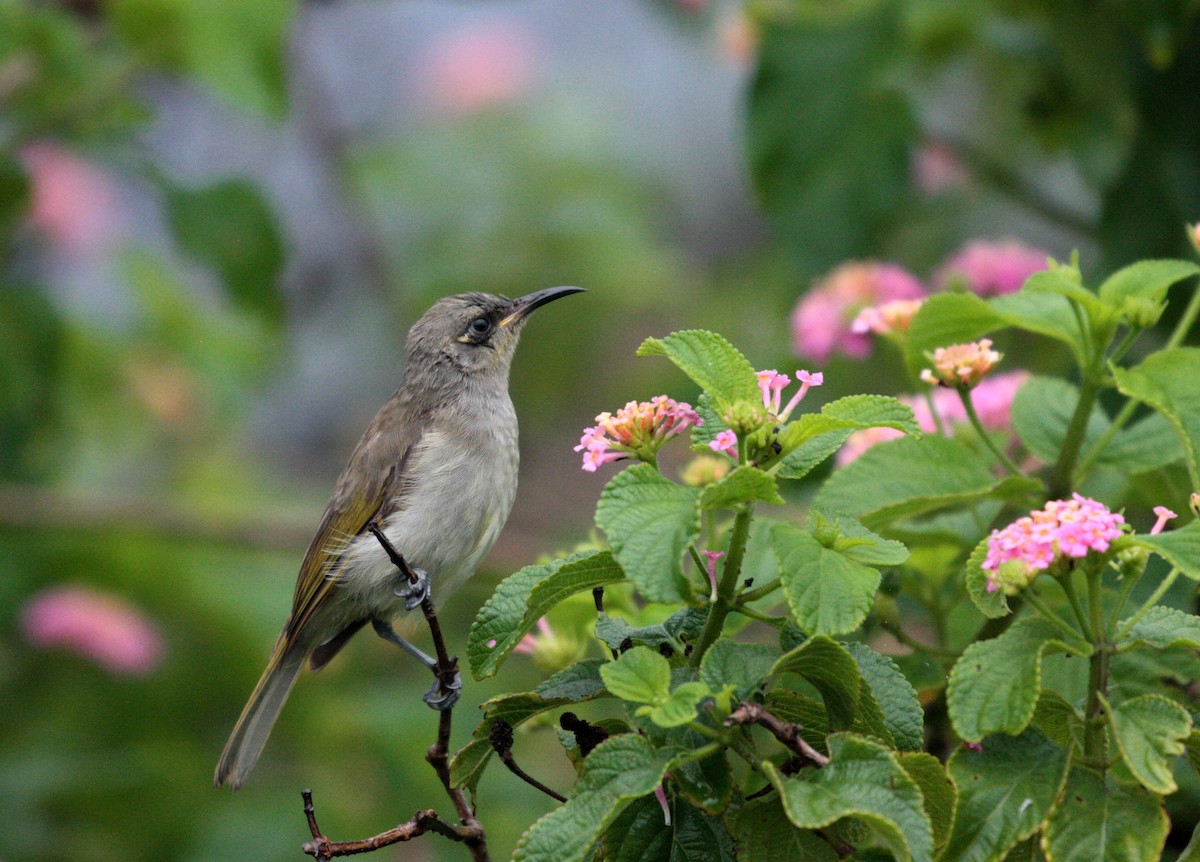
(254, 725)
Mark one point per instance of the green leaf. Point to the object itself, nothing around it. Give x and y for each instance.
(524, 597)
(945, 319)
(897, 700)
(744, 666)
(852, 540)
(1191, 853)
(699, 838)
(1149, 731)
(639, 675)
(715, 365)
(828, 592)
(744, 484)
(905, 478)
(1167, 382)
(1163, 627)
(678, 708)
(1102, 820)
(679, 628)
(1005, 792)
(994, 685)
(1046, 314)
(639, 834)
(831, 670)
(620, 770)
(764, 834)
(865, 781)
(811, 453)
(854, 412)
(580, 681)
(1041, 412)
(1065, 281)
(1145, 280)
(229, 227)
(1180, 548)
(1147, 445)
(991, 604)
(650, 521)
(937, 791)
(1058, 719)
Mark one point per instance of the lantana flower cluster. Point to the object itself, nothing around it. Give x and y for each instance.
(961, 365)
(1064, 529)
(637, 430)
(771, 384)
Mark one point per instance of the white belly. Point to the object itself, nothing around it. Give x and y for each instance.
(452, 512)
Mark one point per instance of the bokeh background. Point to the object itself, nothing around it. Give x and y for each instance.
(218, 219)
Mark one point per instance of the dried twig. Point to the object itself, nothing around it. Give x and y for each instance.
(501, 739)
(749, 712)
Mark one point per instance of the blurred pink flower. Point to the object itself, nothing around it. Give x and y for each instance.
(936, 169)
(823, 316)
(991, 268)
(72, 201)
(96, 625)
(894, 316)
(992, 398)
(480, 66)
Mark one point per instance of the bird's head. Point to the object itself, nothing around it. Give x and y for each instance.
(475, 333)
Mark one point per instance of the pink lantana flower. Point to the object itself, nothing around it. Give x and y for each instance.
(95, 625)
(712, 557)
(961, 365)
(991, 268)
(823, 316)
(638, 430)
(771, 383)
(894, 316)
(725, 441)
(1163, 514)
(1033, 543)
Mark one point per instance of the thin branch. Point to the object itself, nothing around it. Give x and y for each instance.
(323, 850)
(787, 733)
(501, 739)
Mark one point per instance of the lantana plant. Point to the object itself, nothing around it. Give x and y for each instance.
(970, 641)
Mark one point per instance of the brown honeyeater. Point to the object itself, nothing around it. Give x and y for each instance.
(436, 471)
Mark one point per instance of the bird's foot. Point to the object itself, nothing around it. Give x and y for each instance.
(415, 593)
(443, 695)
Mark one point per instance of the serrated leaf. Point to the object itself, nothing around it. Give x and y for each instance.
(1046, 314)
(1144, 446)
(831, 670)
(744, 484)
(1180, 548)
(994, 685)
(619, 770)
(706, 783)
(906, 477)
(1041, 413)
(639, 675)
(650, 521)
(991, 604)
(1005, 792)
(744, 666)
(897, 699)
(699, 838)
(1166, 381)
(1146, 279)
(938, 792)
(715, 365)
(524, 597)
(1058, 719)
(854, 413)
(639, 834)
(678, 708)
(811, 453)
(1163, 627)
(764, 834)
(1149, 731)
(852, 540)
(1102, 820)
(1065, 282)
(865, 781)
(580, 681)
(675, 631)
(827, 592)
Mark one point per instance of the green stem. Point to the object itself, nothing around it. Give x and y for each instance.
(964, 395)
(700, 753)
(778, 622)
(759, 592)
(1185, 321)
(1060, 480)
(704, 731)
(1127, 342)
(1068, 587)
(1098, 667)
(1127, 582)
(726, 598)
(700, 564)
(1149, 603)
(1065, 627)
(933, 411)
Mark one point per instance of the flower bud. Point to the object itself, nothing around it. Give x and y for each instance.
(1194, 504)
(1141, 311)
(1011, 577)
(1131, 561)
(704, 470)
(744, 417)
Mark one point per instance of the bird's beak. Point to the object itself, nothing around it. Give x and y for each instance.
(523, 306)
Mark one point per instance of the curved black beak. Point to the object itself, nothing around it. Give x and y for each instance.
(525, 305)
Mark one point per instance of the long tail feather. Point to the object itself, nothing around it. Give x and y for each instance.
(254, 725)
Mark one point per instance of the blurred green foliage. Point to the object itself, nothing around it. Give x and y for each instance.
(140, 402)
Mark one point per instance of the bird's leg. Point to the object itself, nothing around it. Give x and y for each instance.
(446, 687)
(418, 581)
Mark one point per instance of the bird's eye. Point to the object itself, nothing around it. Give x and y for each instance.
(480, 326)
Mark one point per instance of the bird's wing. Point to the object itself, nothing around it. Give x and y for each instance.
(367, 489)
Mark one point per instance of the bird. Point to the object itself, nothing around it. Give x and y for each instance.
(435, 473)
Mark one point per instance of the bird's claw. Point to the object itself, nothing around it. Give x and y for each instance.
(442, 695)
(414, 594)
